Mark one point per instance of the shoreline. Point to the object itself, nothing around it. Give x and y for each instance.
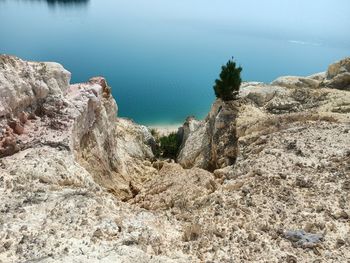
(165, 129)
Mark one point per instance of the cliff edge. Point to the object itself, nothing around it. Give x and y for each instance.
(67, 163)
(263, 178)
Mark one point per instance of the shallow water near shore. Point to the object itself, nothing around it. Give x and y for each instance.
(162, 57)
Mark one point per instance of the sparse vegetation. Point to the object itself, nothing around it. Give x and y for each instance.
(227, 87)
(154, 133)
(167, 145)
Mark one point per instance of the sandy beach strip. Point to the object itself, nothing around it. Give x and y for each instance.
(165, 129)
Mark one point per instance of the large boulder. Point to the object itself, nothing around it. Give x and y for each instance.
(133, 153)
(24, 84)
(338, 75)
(210, 144)
(195, 149)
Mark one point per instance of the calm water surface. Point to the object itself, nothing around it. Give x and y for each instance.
(161, 57)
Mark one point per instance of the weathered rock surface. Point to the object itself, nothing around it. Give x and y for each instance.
(79, 118)
(53, 211)
(293, 82)
(279, 192)
(290, 173)
(303, 239)
(24, 84)
(166, 189)
(292, 166)
(290, 177)
(134, 146)
(211, 144)
(338, 75)
(196, 150)
(63, 172)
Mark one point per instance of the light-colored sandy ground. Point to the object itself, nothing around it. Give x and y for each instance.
(165, 129)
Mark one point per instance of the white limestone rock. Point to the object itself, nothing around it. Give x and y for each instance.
(195, 147)
(67, 162)
(23, 83)
(261, 106)
(293, 82)
(61, 178)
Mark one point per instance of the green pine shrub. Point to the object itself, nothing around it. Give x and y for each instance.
(227, 87)
(169, 145)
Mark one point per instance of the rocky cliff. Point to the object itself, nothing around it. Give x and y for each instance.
(213, 143)
(78, 184)
(66, 164)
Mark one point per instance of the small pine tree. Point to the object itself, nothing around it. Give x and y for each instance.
(227, 87)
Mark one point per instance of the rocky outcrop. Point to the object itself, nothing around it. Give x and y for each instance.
(28, 90)
(78, 184)
(40, 107)
(338, 75)
(25, 84)
(135, 144)
(286, 199)
(212, 144)
(286, 188)
(66, 164)
(196, 150)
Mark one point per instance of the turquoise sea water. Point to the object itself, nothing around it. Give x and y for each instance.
(161, 57)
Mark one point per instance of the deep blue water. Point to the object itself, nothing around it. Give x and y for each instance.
(161, 57)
